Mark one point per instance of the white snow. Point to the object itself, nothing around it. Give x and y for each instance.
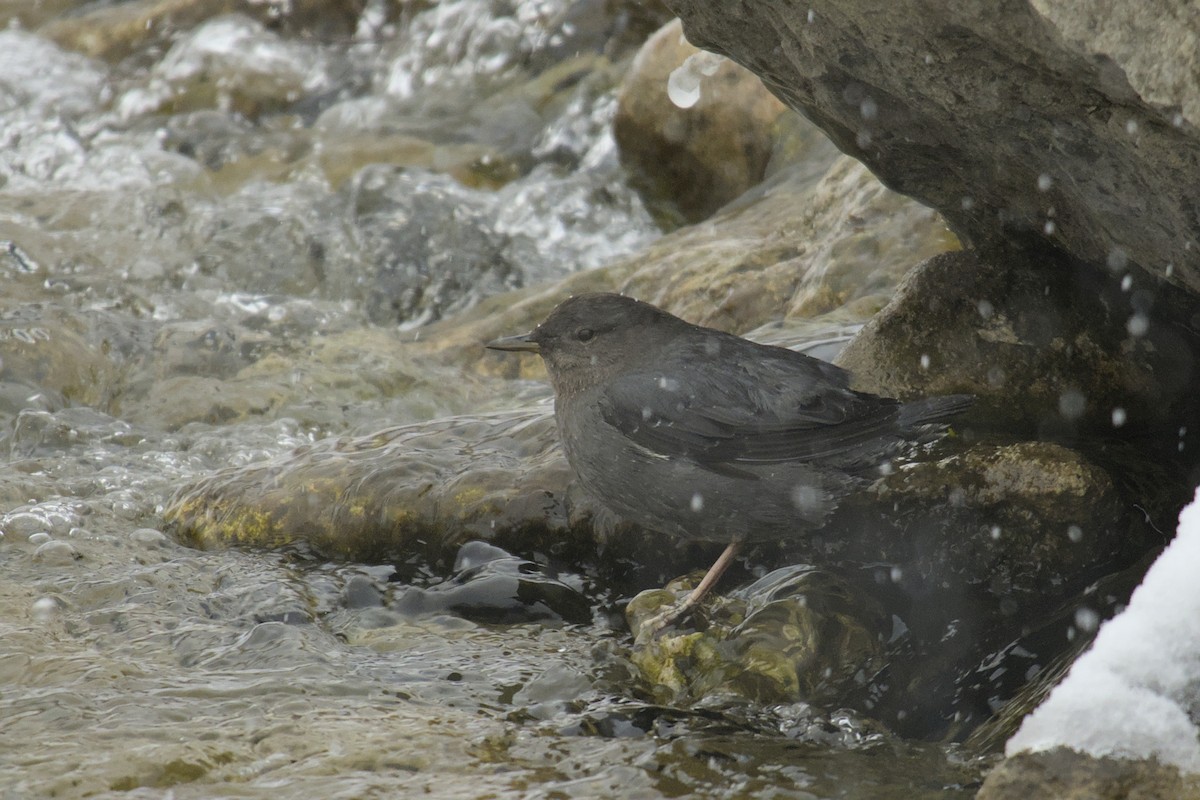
(1134, 693)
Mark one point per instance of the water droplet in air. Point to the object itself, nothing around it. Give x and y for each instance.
(1075, 533)
(1117, 259)
(924, 361)
(1044, 182)
(697, 502)
(1049, 228)
(1118, 417)
(1072, 403)
(1086, 620)
(1137, 325)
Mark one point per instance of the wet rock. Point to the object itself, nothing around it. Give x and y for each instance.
(796, 634)
(234, 63)
(1021, 123)
(57, 352)
(1067, 775)
(1046, 347)
(490, 585)
(405, 493)
(1019, 519)
(113, 32)
(688, 162)
(432, 242)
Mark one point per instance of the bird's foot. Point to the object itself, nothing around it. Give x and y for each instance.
(664, 619)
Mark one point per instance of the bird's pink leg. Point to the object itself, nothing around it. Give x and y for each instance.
(660, 621)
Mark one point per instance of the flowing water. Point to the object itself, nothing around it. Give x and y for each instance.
(208, 248)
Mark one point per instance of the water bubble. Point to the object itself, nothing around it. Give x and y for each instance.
(1177, 120)
(1170, 270)
(1049, 228)
(967, 202)
(697, 502)
(994, 532)
(44, 608)
(683, 87)
(1118, 417)
(646, 413)
(897, 574)
(1126, 283)
(863, 139)
(986, 309)
(1075, 533)
(868, 108)
(149, 537)
(812, 15)
(56, 552)
(41, 537)
(924, 361)
(1137, 325)
(1072, 403)
(1131, 127)
(1086, 619)
(1044, 182)
(22, 523)
(683, 84)
(668, 384)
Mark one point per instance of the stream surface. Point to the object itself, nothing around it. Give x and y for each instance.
(205, 256)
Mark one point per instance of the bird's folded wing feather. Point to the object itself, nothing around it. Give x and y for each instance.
(773, 411)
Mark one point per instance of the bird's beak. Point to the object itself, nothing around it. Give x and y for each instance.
(524, 343)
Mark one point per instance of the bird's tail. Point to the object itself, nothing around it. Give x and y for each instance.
(932, 410)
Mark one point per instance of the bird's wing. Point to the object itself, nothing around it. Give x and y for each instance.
(765, 408)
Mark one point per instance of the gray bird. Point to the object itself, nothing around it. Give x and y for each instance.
(706, 436)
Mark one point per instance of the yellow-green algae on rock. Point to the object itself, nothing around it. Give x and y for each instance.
(797, 634)
(416, 490)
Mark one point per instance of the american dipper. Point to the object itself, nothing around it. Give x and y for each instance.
(703, 435)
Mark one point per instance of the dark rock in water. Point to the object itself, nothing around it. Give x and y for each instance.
(492, 586)
(1020, 122)
(434, 245)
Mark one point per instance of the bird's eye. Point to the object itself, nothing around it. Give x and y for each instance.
(584, 334)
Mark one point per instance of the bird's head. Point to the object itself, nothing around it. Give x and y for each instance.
(590, 337)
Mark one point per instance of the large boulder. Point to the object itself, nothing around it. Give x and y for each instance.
(1024, 123)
